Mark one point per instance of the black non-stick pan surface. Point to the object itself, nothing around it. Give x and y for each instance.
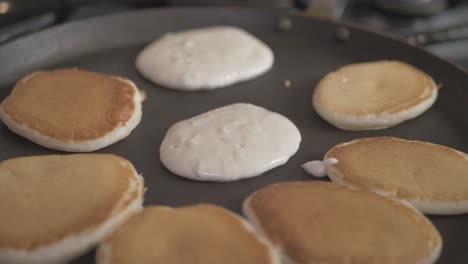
(303, 55)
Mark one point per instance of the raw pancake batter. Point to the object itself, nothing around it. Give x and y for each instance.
(229, 143)
(206, 58)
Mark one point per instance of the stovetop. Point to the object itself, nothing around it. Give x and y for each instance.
(440, 26)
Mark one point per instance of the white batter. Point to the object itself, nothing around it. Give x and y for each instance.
(229, 143)
(206, 58)
(318, 168)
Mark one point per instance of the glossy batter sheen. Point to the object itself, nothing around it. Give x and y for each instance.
(201, 234)
(229, 143)
(205, 58)
(318, 168)
(71, 105)
(45, 199)
(411, 170)
(320, 222)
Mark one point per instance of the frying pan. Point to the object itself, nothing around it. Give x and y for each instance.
(304, 54)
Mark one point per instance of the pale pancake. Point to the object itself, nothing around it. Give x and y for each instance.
(204, 58)
(201, 234)
(56, 207)
(321, 222)
(72, 110)
(373, 95)
(230, 143)
(432, 177)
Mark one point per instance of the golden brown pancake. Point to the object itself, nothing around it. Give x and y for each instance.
(373, 95)
(194, 234)
(45, 200)
(432, 177)
(320, 222)
(71, 106)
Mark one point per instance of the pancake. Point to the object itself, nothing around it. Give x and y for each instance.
(373, 95)
(432, 177)
(204, 58)
(321, 222)
(72, 110)
(199, 234)
(55, 208)
(229, 143)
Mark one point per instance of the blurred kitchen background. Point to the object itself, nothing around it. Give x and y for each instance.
(440, 26)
